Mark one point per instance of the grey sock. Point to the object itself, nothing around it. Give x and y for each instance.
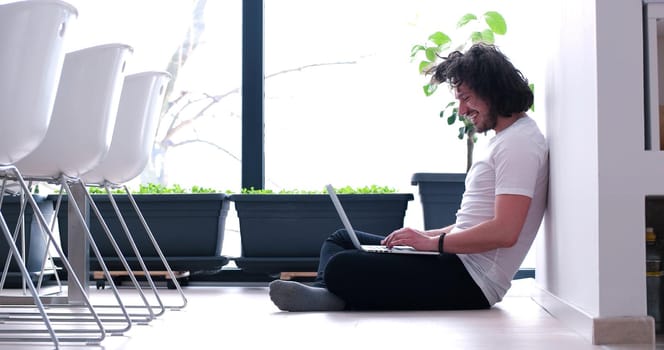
(295, 296)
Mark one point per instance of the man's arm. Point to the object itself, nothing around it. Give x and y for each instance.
(439, 231)
(502, 231)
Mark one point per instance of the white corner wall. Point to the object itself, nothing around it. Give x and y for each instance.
(591, 256)
(624, 176)
(567, 254)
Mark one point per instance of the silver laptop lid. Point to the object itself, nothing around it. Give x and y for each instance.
(342, 215)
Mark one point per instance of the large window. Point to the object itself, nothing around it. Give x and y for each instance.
(198, 141)
(343, 101)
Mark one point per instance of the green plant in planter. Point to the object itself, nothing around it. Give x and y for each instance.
(283, 230)
(470, 29)
(372, 189)
(441, 193)
(152, 188)
(172, 214)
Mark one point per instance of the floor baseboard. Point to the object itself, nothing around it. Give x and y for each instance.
(598, 330)
(624, 330)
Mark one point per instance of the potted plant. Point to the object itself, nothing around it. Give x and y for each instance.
(188, 225)
(283, 232)
(441, 193)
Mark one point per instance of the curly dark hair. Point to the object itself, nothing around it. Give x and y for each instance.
(490, 74)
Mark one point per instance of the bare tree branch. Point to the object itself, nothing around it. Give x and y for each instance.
(185, 111)
(189, 44)
(175, 128)
(301, 68)
(209, 143)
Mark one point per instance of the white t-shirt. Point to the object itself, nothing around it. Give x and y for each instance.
(515, 162)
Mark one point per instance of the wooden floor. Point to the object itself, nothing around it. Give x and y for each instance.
(243, 317)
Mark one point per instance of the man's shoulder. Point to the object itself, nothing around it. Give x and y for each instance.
(526, 134)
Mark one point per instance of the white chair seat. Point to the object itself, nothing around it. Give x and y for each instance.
(83, 116)
(135, 128)
(32, 35)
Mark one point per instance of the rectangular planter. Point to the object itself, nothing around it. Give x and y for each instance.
(35, 236)
(284, 232)
(440, 195)
(189, 229)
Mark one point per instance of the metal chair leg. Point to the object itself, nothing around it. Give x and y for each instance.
(156, 247)
(9, 317)
(33, 291)
(151, 315)
(136, 251)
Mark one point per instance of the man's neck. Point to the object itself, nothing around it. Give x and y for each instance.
(503, 123)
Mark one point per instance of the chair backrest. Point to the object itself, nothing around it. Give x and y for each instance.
(31, 58)
(84, 113)
(138, 115)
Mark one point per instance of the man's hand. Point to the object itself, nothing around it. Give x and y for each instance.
(411, 237)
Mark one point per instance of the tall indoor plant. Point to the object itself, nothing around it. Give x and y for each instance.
(471, 29)
(441, 193)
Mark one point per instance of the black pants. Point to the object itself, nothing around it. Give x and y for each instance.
(375, 281)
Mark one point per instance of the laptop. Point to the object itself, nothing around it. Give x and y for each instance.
(356, 241)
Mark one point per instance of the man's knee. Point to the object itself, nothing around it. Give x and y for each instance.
(339, 236)
(342, 266)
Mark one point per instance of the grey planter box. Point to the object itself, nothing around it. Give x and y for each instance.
(282, 232)
(189, 229)
(35, 236)
(440, 195)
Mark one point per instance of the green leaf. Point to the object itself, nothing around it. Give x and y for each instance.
(532, 88)
(462, 132)
(496, 22)
(469, 125)
(487, 36)
(454, 114)
(430, 53)
(440, 38)
(465, 19)
(476, 37)
(429, 89)
(416, 49)
(423, 66)
(198, 189)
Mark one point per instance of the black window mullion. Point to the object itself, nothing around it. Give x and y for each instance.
(253, 152)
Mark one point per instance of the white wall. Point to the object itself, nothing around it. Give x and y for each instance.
(567, 256)
(592, 254)
(624, 180)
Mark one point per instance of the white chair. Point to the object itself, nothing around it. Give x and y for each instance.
(31, 36)
(84, 114)
(133, 136)
(135, 128)
(79, 135)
